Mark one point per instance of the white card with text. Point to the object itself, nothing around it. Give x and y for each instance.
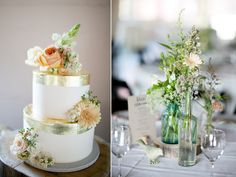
(141, 121)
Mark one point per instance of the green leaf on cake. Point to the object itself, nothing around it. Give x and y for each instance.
(66, 39)
(74, 30)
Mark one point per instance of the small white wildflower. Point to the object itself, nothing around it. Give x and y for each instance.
(168, 86)
(172, 77)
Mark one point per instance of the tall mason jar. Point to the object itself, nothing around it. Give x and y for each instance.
(169, 124)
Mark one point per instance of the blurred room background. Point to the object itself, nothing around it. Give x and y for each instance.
(139, 25)
(26, 23)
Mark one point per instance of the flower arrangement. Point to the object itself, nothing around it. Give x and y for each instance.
(24, 143)
(183, 81)
(58, 58)
(25, 148)
(181, 67)
(86, 112)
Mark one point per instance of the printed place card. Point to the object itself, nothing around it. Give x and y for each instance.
(141, 121)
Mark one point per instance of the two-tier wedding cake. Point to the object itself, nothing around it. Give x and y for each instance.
(59, 125)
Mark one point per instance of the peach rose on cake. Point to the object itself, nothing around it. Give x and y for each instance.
(50, 58)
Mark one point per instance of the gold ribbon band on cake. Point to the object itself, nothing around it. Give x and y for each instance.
(78, 80)
(54, 126)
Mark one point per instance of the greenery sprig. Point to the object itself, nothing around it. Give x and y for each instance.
(66, 39)
(178, 65)
(93, 99)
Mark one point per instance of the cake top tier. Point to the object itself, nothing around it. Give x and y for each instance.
(58, 58)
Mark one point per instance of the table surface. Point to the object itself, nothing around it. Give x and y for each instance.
(14, 167)
(136, 164)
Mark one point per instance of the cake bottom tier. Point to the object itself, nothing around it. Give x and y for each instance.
(65, 148)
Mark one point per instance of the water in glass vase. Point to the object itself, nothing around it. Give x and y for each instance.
(169, 124)
(187, 142)
(187, 135)
(187, 153)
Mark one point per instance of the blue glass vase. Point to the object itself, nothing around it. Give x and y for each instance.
(169, 124)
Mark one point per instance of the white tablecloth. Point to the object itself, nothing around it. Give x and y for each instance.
(135, 164)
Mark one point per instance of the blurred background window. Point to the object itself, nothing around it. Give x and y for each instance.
(138, 26)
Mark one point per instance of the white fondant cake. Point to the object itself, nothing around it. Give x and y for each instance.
(51, 100)
(65, 148)
(59, 125)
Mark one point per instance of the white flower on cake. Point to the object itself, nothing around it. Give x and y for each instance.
(56, 36)
(42, 160)
(23, 143)
(86, 112)
(193, 61)
(19, 145)
(32, 56)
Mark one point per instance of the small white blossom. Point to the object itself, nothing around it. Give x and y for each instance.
(172, 77)
(56, 36)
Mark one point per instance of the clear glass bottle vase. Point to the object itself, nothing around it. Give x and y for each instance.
(187, 138)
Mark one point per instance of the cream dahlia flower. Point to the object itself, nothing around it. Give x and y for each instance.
(85, 113)
(193, 61)
(89, 116)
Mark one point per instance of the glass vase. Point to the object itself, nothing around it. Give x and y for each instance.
(169, 124)
(187, 135)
